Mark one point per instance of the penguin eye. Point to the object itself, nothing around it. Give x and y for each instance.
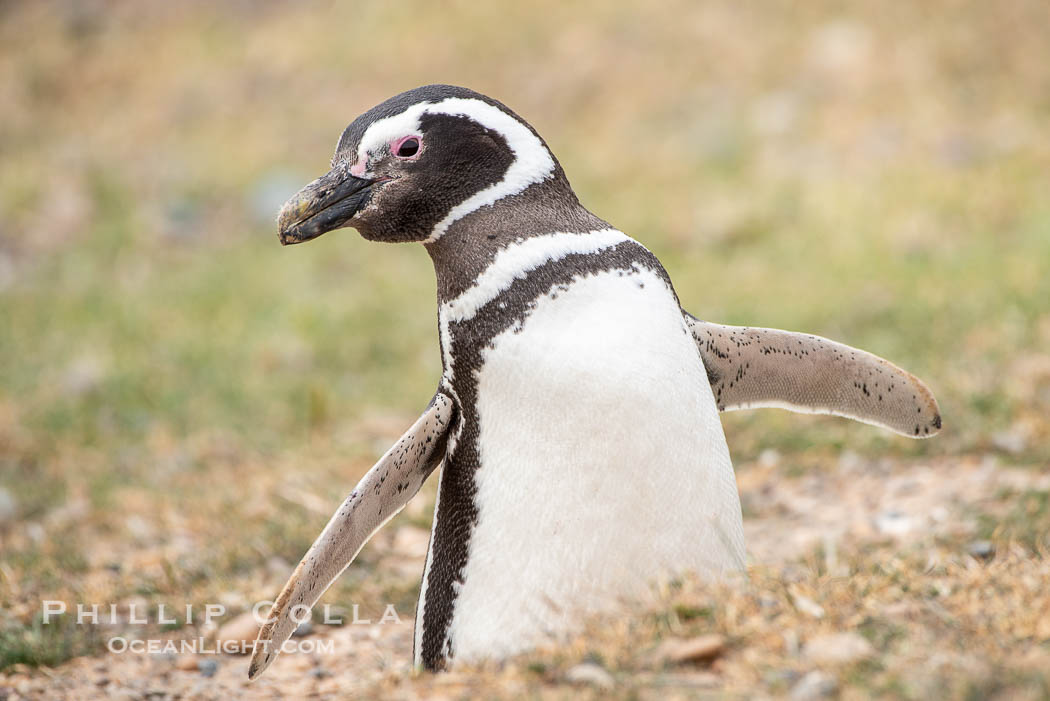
(407, 147)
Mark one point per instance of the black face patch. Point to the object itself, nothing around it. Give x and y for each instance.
(459, 158)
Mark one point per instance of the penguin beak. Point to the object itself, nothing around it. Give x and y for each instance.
(325, 204)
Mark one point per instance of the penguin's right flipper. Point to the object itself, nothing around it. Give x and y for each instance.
(381, 493)
(751, 368)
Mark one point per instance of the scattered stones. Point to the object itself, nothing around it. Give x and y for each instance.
(702, 648)
(780, 677)
(894, 523)
(8, 506)
(591, 674)
(233, 600)
(1013, 441)
(850, 461)
(769, 458)
(840, 48)
(75, 509)
(837, 648)
(139, 528)
(808, 606)
(35, 532)
(981, 549)
(815, 685)
(791, 646)
(238, 634)
(187, 663)
(700, 679)
(695, 679)
(792, 612)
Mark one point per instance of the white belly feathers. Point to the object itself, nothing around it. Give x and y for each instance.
(603, 464)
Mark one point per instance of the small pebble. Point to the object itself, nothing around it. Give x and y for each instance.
(837, 648)
(808, 606)
(981, 549)
(694, 679)
(815, 685)
(592, 674)
(187, 663)
(8, 506)
(894, 523)
(1012, 441)
(699, 649)
(208, 667)
(238, 634)
(778, 677)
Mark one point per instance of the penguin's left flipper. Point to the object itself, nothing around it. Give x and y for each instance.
(750, 368)
(381, 493)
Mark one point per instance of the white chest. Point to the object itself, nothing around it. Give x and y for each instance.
(603, 464)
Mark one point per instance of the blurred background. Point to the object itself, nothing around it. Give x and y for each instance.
(183, 401)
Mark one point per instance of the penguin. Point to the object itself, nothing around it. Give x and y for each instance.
(576, 421)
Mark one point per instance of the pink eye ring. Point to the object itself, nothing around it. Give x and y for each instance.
(406, 147)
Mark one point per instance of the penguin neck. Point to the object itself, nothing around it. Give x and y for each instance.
(469, 245)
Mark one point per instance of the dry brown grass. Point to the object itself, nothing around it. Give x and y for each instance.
(182, 401)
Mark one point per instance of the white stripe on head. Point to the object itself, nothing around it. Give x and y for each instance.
(532, 163)
(382, 131)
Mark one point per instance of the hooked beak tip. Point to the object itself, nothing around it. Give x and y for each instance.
(328, 203)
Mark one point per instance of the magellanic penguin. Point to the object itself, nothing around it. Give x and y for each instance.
(576, 419)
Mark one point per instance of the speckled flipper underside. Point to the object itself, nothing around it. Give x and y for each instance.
(751, 368)
(381, 493)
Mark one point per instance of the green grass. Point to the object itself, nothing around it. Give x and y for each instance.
(47, 645)
(1025, 521)
(165, 357)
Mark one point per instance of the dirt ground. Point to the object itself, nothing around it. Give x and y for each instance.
(886, 556)
(184, 402)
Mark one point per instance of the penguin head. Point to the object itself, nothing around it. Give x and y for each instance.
(411, 166)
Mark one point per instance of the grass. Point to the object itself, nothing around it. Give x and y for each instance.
(1025, 520)
(40, 645)
(171, 374)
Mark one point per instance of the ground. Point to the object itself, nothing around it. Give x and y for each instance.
(875, 578)
(183, 402)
